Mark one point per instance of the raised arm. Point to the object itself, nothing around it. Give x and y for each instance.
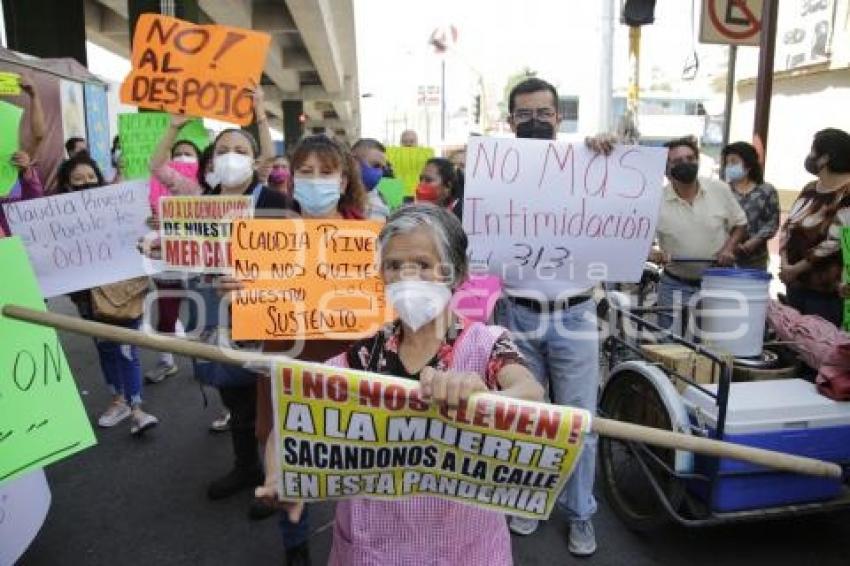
(162, 153)
(38, 128)
(266, 143)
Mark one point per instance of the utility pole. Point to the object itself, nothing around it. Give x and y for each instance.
(606, 73)
(764, 86)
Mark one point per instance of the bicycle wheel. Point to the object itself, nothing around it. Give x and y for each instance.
(631, 397)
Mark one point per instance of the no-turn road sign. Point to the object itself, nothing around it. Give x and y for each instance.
(731, 22)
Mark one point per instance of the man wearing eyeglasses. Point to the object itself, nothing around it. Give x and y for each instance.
(558, 336)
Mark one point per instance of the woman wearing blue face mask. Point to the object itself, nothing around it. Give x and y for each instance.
(327, 181)
(742, 170)
(326, 185)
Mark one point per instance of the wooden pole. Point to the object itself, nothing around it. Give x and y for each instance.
(764, 82)
(605, 427)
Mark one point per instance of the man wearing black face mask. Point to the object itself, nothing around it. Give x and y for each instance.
(700, 219)
(564, 355)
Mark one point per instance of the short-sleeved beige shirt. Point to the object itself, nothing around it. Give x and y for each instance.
(700, 229)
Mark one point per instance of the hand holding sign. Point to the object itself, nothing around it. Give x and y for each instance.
(186, 68)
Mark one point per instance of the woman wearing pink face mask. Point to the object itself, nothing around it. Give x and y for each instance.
(279, 176)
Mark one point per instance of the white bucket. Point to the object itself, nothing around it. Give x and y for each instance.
(733, 310)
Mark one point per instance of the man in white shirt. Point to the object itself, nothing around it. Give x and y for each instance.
(556, 329)
(700, 219)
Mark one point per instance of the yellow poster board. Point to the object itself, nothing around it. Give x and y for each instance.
(342, 433)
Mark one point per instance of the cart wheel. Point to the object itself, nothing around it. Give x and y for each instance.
(631, 397)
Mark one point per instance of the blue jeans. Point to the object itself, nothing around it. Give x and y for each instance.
(120, 366)
(672, 292)
(295, 534)
(562, 351)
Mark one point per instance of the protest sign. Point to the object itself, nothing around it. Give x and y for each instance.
(24, 502)
(158, 190)
(199, 70)
(845, 255)
(195, 232)
(407, 163)
(84, 239)
(97, 126)
(393, 192)
(307, 279)
(551, 211)
(141, 132)
(10, 120)
(343, 433)
(42, 419)
(10, 84)
(476, 299)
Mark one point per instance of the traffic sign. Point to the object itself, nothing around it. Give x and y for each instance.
(731, 22)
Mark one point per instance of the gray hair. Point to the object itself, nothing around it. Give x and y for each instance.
(444, 226)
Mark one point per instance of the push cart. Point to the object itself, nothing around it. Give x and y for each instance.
(649, 486)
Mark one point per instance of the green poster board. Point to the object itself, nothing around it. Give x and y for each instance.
(393, 192)
(140, 133)
(10, 121)
(42, 419)
(845, 278)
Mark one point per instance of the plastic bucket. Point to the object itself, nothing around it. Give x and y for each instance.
(733, 310)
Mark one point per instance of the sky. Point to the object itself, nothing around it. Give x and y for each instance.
(560, 39)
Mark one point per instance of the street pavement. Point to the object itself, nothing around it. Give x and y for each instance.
(141, 502)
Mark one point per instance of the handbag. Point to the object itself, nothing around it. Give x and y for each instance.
(119, 302)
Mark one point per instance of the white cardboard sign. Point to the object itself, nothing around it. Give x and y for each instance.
(539, 210)
(86, 238)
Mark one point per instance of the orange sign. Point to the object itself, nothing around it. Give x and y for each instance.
(184, 68)
(307, 279)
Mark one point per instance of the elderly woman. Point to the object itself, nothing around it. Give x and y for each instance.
(423, 260)
(811, 237)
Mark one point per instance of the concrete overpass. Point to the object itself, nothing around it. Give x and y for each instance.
(311, 65)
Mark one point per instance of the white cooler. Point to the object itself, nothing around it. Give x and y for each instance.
(786, 415)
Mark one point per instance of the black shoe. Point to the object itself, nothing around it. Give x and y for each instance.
(298, 555)
(259, 510)
(235, 481)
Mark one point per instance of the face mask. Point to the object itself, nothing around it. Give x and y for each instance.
(685, 173)
(233, 168)
(426, 192)
(213, 180)
(278, 176)
(734, 173)
(185, 159)
(84, 186)
(317, 197)
(535, 129)
(811, 164)
(418, 302)
(371, 175)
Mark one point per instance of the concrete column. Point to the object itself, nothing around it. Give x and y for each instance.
(293, 129)
(184, 9)
(46, 28)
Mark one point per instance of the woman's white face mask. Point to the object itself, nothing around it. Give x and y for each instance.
(418, 302)
(233, 169)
